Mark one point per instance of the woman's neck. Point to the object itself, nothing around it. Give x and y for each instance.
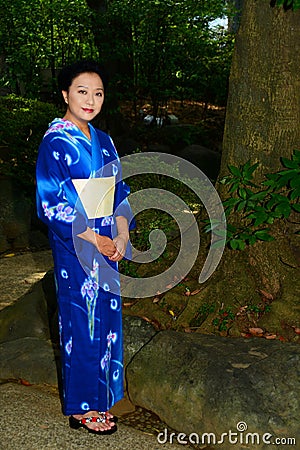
(83, 126)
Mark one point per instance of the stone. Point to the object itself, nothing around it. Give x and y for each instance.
(15, 215)
(137, 333)
(27, 317)
(29, 359)
(202, 383)
(207, 160)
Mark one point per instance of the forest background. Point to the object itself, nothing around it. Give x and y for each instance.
(236, 90)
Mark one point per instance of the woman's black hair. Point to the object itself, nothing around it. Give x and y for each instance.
(68, 73)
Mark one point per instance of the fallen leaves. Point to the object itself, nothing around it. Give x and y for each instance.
(156, 324)
(129, 304)
(259, 332)
(24, 382)
(266, 295)
(196, 291)
(271, 336)
(256, 331)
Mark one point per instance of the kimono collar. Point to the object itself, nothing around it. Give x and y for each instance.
(97, 154)
(77, 137)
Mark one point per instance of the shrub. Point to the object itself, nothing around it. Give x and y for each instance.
(23, 124)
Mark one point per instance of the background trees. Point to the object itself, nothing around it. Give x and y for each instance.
(37, 37)
(153, 49)
(165, 49)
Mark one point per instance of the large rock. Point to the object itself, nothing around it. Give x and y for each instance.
(200, 383)
(27, 351)
(137, 333)
(28, 317)
(29, 359)
(15, 215)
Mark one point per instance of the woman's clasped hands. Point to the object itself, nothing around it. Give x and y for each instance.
(114, 249)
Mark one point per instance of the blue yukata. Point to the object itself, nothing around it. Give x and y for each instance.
(87, 283)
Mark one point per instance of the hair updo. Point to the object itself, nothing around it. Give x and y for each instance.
(68, 73)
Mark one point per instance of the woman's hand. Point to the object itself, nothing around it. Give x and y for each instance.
(121, 239)
(105, 245)
(113, 248)
(120, 243)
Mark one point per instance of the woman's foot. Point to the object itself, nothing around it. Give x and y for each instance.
(110, 417)
(94, 422)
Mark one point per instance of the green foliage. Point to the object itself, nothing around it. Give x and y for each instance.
(23, 124)
(288, 4)
(246, 315)
(156, 50)
(166, 49)
(202, 314)
(258, 208)
(152, 219)
(37, 35)
(224, 319)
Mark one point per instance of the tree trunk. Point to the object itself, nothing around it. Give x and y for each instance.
(263, 109)
(111, 120)
(234, 22)
(262, 124)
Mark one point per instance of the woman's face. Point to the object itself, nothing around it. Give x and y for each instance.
(84, 98)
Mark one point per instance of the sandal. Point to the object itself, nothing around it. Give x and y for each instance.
(75, 424)
(110, 419)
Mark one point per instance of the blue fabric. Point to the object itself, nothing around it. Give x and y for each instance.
(88, 288)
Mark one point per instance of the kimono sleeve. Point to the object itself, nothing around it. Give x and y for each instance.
(56, 197)
(123, 208)
(122, 191)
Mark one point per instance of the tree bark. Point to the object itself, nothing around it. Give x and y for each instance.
(234, 22)
(262, 124)
(263, 109)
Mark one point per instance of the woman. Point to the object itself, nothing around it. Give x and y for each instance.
(86, 248)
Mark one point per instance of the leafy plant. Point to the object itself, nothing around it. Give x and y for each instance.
(224, 319)
(202, 314)
(287, 4)
(258, 208)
